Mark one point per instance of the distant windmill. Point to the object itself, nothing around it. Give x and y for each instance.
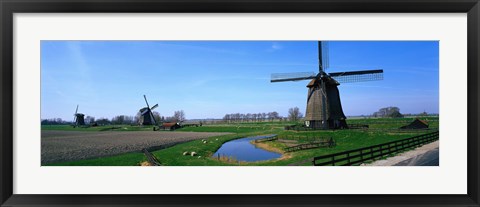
(324, 109)
(78, 117)
(147, 114)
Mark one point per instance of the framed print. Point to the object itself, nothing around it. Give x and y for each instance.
(239, 103)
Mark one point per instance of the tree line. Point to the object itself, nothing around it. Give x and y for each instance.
(251, 117)
(178, 116)
(294, 114)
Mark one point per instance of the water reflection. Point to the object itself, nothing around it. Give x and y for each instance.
(243, 150)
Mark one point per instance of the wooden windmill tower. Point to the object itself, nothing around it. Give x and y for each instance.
(147, 114)
(78, 118)
(324, 109)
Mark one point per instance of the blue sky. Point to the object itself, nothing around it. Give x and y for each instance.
(208, 79)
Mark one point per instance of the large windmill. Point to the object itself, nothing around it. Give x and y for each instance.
(147, 114)
(78, 118)
(324, 109)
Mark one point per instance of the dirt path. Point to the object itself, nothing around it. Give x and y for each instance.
(60, 146)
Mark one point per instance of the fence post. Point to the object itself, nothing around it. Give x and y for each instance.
(381, 151)
(348, 158)
(371, 153)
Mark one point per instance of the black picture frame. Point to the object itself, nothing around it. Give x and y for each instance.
(10, 7)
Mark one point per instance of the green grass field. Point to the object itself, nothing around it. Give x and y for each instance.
(380, 130)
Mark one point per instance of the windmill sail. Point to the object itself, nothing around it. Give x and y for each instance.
(357, 76)
(75, 116)
(281, 77)
(323, 56)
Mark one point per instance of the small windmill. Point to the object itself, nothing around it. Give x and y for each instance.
(147, 114)
(324, 109)
(78, 118)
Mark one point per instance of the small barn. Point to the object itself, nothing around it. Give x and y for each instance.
(416, 124)
(170, 126)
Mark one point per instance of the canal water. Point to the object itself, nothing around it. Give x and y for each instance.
(243, 150)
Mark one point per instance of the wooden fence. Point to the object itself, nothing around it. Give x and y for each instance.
(358, 156)
(266, 139)
(304, 137)
(151, 158)
(315, 144)
(358, 126)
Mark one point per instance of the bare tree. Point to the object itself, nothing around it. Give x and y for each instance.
(248, 116)
(179, 116)
(226, 118)
(138, 118)
(118, 119)
(157, 116)
(89, 120)
(264, 116)
(128, 120)
(170, 119)
(294, 114)
(275, 115)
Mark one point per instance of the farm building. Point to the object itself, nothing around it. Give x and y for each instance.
(416, 124)
(170, 126)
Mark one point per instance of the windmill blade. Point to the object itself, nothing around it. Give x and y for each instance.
(155, 106)
(145, 111)
(145, 97)
(153, 117)
(76, 109)
(282, 77)
(325, 55)
(358, 76)
(320, 57)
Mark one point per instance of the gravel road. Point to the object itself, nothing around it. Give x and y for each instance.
(60, 146)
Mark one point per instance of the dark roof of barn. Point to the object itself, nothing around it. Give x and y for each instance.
(416, 124)
(423, 121)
